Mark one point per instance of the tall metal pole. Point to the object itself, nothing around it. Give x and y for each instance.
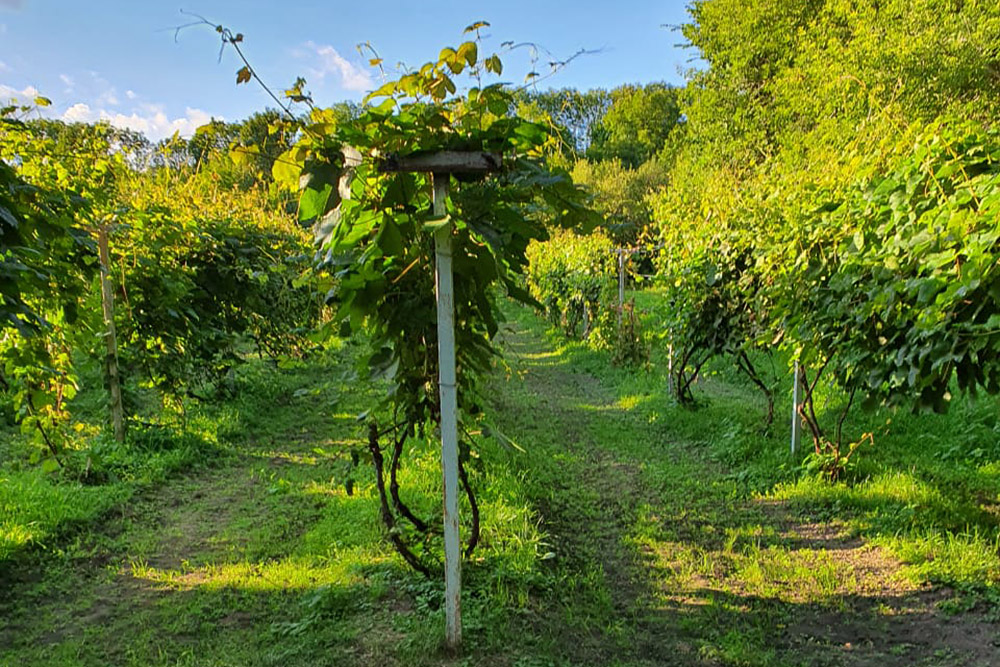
(449, 416)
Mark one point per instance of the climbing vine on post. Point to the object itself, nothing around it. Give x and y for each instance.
(376, 226)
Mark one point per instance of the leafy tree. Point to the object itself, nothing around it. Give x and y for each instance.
(636, 125)
(821, 143)
(578, 113)
(621, 194)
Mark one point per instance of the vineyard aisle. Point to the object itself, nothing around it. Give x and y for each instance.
(653, 554)
(665, 560)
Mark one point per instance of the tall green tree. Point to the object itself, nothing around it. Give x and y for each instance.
(636, 125)
(577, 112)
(621, 193)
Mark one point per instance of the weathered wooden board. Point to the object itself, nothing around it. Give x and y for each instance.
(444, 162)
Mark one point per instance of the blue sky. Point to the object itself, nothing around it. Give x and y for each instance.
(119, 59)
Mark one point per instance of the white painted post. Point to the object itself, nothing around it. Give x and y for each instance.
(796, 421)
(670, 368)
(441, 165)
(449, 416)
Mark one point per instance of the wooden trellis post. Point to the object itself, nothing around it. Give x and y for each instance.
(796, 420)
(441, 165)
(621, 284)
(111, 359)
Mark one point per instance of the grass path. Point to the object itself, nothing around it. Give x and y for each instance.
(689, 568)
(654, 552)
(203, 569)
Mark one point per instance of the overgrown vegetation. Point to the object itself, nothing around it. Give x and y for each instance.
(823, 194)
(200, 269)
(372, 223)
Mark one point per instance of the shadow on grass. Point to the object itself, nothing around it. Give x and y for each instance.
(655, 552)
(664, 556)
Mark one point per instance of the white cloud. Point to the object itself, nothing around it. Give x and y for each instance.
(150, 119)
(79, 113)
(4, 67)
(25, 96)
(350, 76)
(99, 89)
(95, 99)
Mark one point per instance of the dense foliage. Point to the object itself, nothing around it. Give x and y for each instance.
(825, 199)
(823, 187)
(572, 277)
(824, 190)
(374, 225)
(198, 265)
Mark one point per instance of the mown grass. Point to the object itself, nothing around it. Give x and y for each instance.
(630, 531)
(736, 527)
(261, 557)
(39, 506)
(928, 479)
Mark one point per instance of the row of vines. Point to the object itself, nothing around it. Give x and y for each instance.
(270, 238)
(201, 272)
(830, 204)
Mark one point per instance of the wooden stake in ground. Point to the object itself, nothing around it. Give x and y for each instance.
(621, 284)
(796, 419)
(111, 360)
(441, 165)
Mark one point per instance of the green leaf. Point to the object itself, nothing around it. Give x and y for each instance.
(507, 443)
(435, 224)
(476, 26)
(386, 90)
(469, 52)
(287, 169)
(533, 132)
(493, 64)
(389, 239)
(244, 155)
(383, 364)
(8, 217)
(318, 183)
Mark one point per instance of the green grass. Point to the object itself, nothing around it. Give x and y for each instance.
(33, 508)
(38, 506)
(630, 531)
